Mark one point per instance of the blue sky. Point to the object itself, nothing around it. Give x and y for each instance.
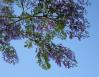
(87, 53)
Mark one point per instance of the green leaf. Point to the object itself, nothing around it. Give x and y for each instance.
(38, 9)
(71, 35)
(62, 35)
(42, 59)
(28, 44)
(59, 25)
(50, 35)
(49, 1)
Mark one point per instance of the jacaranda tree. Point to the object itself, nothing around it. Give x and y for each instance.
(39, 22)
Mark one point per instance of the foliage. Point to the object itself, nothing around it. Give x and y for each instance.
(40, 22)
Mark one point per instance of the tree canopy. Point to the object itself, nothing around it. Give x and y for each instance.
(39, 22)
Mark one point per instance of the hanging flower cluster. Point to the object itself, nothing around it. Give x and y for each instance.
(40, 22)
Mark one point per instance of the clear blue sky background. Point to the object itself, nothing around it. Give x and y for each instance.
(87, 52)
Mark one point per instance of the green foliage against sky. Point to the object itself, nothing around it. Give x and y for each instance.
(39, 23)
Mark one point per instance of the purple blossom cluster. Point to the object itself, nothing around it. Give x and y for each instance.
(8, 32)
(72, 13)
(60, 54)
(44, 25)
(40, 22)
